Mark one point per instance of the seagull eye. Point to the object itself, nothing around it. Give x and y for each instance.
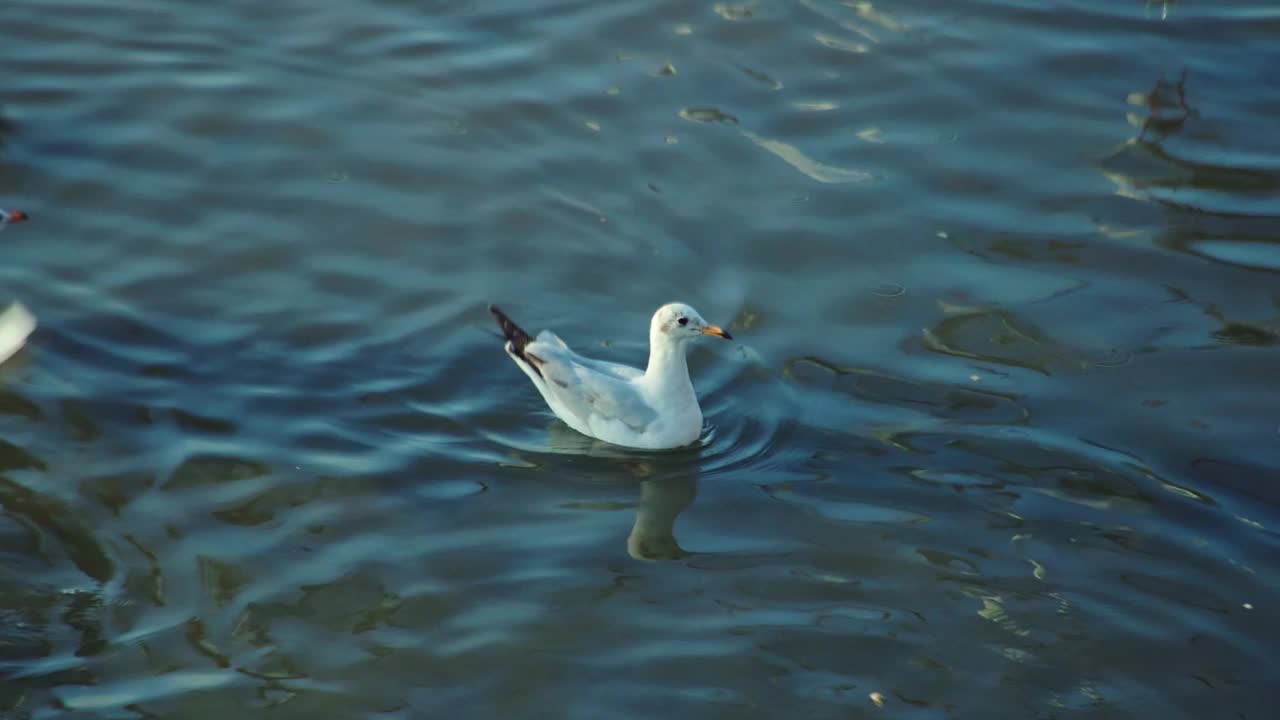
(683, 321)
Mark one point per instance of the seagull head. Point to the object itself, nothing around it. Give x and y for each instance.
(11, 216)
(677, 322)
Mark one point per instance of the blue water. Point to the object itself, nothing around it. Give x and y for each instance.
(998, 436)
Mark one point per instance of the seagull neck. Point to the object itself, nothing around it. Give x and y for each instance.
(666, 362)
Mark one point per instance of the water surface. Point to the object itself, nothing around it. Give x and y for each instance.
(1001, 436)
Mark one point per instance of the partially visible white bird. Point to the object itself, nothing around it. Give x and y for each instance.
(16, 322)
(653, 409)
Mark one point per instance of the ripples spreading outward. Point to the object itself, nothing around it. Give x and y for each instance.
(999, 439)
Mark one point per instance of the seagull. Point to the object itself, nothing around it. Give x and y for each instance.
(16, 322)
(651, 409)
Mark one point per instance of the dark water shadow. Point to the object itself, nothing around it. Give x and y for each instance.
(7, 128)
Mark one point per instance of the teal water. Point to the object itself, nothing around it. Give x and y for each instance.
(999, 435)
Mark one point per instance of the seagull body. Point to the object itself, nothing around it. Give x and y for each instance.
(651, 409)
(16, 322)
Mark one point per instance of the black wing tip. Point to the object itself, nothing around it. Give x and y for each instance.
(504, 322)
(514, 334)
(516, 340)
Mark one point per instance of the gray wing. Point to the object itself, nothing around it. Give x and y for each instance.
(590, 394)
(623, 372)
(550, 338)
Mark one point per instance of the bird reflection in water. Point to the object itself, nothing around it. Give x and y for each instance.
(661, 501)
(668, 485)
(1167, 109)
(1141, 164)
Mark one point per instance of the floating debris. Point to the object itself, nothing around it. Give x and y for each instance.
(877, 698)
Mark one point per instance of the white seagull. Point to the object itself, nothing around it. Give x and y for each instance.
(16, 322)
(652, 409)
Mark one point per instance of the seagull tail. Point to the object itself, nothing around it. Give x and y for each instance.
(516, 337)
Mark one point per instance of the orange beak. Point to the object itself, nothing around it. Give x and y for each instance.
(717, 331)
(17, 216)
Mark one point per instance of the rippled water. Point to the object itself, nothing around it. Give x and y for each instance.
(1001, 437)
